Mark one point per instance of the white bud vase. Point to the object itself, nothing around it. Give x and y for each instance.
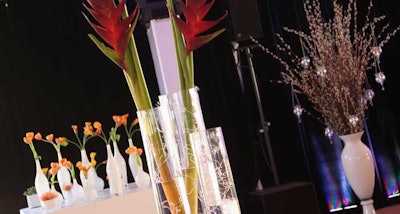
(99, 184)
(113, 173)
(76, 190)
(85, 163)
(142, 179)
(358, 166)
(89, 190)
(63, 176)
(60, 198)
(121, 164)
(41, 182)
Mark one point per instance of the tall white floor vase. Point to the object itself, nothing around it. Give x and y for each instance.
(358, 165)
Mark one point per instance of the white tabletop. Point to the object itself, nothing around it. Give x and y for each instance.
(133, 200)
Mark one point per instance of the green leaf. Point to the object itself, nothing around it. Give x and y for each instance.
(109, 52)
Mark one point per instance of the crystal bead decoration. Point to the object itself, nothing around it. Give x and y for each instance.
(305, 61)
(376, 51)
(353, 119)
(328, 132)
(380, 77)
(321, 71)
(297, 110)
(369, 94)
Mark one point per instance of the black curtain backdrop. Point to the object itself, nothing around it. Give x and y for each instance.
(53, 76)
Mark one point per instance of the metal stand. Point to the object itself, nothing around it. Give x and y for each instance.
(264, 124)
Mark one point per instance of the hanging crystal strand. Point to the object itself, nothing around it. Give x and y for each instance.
(297, 109)
(376, 51)
(305, 60)
(329, 133)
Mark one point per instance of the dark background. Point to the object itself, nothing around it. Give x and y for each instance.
(53, 76)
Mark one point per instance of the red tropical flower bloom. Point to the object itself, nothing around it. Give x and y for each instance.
(194, 12)
(114, 30)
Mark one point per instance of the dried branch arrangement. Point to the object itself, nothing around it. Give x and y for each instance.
(332, 68)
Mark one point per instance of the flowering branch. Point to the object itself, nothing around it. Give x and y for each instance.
(332, 71)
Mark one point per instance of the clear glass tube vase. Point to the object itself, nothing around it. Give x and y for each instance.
(217, 186)
(187, 115)
(161, 149)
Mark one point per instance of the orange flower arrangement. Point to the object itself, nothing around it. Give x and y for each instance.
(60, 141)
(123, 120)
(113, 133)
(54, 167)
(92, 164)
(88, 132)
(67, 164)
(51, 174)
(136, 151)
(28, 139)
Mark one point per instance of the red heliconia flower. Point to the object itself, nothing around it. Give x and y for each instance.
(194, 12)
(112, 28)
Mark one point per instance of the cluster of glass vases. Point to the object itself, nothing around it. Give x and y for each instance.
(188, 164)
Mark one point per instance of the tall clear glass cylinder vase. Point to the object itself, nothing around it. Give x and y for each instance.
(160, 143)
(187, 117)
(216, 180)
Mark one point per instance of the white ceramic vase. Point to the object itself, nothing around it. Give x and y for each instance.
(41, 182)
(119, 159)
(76, 190)
(142, 179)
(113, 173)
(51, 205)
(89, 190)
(99, 184)
(358, 165)
(85, 162)
(33, 201)
(63, 175)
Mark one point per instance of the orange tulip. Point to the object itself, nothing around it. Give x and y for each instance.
(38, 136)
(50, 137)
(75, 128)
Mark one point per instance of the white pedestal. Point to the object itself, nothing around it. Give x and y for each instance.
(133, 200)
(162, 48)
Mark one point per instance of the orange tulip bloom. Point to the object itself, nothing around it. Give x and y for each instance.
(54, 168)
(38, 136)
(75, 128)
(50, 137)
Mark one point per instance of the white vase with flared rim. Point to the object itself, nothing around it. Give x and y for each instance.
(358, 166)
(41, 182)
(121, 164)
(142, 179)
(113, 173)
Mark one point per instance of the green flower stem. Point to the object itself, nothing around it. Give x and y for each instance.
(137, 86)
(56, 146)
(76, 144)
(186, 80)
(35, 155)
